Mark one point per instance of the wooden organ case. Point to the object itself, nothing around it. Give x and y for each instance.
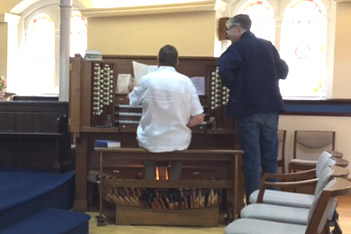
(98, 112)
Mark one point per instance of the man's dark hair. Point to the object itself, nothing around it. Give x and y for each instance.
(242, 19)
(168, 56)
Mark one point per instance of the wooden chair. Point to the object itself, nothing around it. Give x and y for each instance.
(317, 218)
(307, 147)
(281, 149)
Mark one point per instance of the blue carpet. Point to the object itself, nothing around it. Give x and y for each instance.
(52, 221)
(24, 193)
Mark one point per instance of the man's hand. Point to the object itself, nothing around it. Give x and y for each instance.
(196, 120)
(132, 84)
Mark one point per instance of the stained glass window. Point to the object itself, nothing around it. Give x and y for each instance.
(78, 34)
(303, 46)
(40, 55)
(261, 14)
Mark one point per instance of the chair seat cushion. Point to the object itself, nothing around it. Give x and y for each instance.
(284, 198)
(286, 214)
(256, 226)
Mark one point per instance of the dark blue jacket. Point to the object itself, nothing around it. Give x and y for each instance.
(251, 69)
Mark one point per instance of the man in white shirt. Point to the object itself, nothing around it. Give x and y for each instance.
(170, 106)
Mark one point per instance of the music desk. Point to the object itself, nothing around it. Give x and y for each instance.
(233, 185)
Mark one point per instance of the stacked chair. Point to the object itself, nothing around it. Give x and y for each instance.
(289, 212)
(317, 215)
(308, 145)
(300, 178)
(281, 149)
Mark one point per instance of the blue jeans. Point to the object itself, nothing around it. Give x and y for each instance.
(258, 137)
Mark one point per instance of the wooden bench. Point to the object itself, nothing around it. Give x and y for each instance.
(34, 135)
(232, 185)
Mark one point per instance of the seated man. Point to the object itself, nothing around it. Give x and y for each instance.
(170, 106)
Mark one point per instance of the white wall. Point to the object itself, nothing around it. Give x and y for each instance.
(341, 125)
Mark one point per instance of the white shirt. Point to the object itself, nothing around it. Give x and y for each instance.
(168, 100)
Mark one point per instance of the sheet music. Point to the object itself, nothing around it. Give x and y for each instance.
(199, 83)
(141, 70)
(123, 81)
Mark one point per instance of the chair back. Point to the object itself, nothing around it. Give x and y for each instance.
(324, 202)
(281, 149)
(324, 160)
(310, 144)
(323, 179)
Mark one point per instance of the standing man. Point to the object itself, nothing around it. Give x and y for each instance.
(251, 68)
(170, 106)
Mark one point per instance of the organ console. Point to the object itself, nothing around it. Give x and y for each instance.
(99, 111)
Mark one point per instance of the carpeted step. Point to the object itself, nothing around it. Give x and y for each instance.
(51, 221)
(24, 193)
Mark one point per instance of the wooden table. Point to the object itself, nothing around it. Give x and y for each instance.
(233, 185)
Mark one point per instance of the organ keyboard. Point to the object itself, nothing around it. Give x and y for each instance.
(127, 118)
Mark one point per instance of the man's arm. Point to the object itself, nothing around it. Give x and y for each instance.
(228, 64)
(282, 68)
(134, 94)
(196, 120)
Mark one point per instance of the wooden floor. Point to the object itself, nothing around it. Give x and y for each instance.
(344, 210)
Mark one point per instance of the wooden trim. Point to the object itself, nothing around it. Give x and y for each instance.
(196, 154)
(100, 130)
(81, 202)
(75, 90)
(325, 107)
(222, 28)
(139, 183)
(317, 114)
(86, 89)
(317, 101)
(151, 57)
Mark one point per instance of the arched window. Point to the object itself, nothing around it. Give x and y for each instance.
(303, 46)
(40, 48)
(261, 14)
(78, 34)
(300, 32)
(39, 72)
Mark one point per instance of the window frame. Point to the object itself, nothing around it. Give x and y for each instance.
(279, 9)
(51, 8)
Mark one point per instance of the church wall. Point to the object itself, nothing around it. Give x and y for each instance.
(6, 6)
(3, 49)
(193, 33)
(342, 59)
(341, 126)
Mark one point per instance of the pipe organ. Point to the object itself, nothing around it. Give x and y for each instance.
(99, 110)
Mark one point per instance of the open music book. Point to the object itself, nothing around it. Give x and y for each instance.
(141, 70)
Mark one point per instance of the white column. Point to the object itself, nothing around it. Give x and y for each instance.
(278, 31)
(65, 32)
